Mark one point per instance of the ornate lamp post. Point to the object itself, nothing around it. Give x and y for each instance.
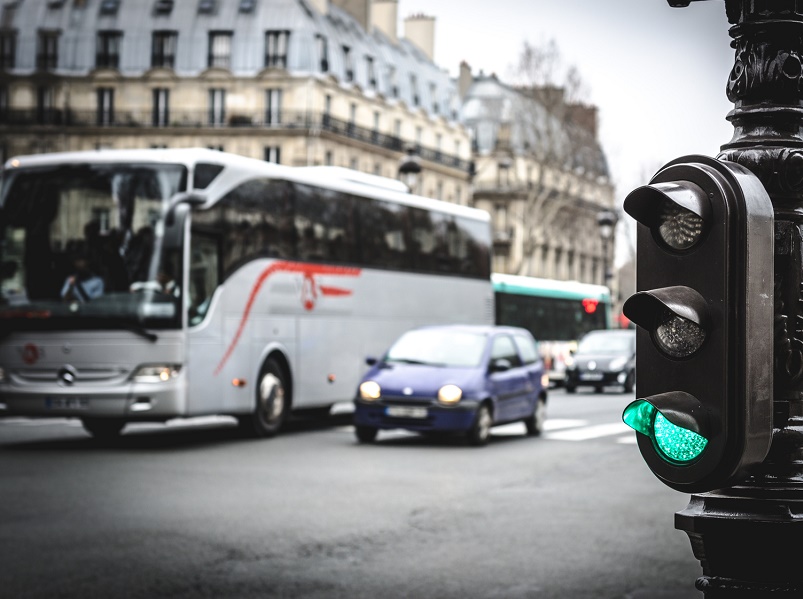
(749, 537)
(606, 221)
(409, 169)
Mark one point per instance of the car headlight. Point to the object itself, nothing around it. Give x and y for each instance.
(617, 363)
(370, 390)
(156, 373)
(450, 394)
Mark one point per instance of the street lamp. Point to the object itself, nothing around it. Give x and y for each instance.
(606, 221)
(409, 169)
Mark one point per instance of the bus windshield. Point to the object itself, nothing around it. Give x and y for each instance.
(81, 247)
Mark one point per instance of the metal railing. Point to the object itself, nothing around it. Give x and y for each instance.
(182, 119)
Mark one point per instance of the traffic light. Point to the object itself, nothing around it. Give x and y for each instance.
(704, 310)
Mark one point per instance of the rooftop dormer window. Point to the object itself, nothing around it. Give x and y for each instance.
(109, 7)
(219, 49)
(323, 52)
(8, 49)
(163, 49)
(207, 7)
(369, 66)
(163, 7)
(348, 64)
(107, 49)
(247, 6)
(47, 50)
(276, 43)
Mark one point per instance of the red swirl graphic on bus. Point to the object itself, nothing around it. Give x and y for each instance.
(310, 290)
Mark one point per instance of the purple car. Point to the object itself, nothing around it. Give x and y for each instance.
(454, 378)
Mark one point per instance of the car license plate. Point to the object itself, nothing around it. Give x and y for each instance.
(591, 376)
(66, 403)
(406, 412)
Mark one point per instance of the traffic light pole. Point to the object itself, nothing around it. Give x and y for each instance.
(749, 537)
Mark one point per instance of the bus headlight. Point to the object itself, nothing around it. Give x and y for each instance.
(450, 394)
(156, 373)
(370, 390)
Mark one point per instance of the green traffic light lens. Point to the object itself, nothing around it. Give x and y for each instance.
(673, 443)
(680, 229)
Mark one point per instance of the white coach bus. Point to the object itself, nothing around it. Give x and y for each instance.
(145, 285)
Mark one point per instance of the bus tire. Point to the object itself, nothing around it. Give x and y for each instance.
(272, 402)
(103, 428)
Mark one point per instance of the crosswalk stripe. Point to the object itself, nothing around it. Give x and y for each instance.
(590, 432)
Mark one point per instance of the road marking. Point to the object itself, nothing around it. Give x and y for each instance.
(628, 440)
(589, 432)
(553, 424)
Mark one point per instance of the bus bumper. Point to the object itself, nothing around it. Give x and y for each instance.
(134, 402)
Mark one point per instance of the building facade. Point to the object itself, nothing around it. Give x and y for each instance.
(301, 82)
(542, 175)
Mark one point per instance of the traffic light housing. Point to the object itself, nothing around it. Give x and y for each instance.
(704, 311)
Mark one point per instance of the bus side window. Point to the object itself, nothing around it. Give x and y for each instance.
(204, 275)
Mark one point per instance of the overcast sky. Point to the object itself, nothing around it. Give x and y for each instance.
(657, 74)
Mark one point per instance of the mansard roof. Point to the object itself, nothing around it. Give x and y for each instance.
(396, 65)
(490, 104)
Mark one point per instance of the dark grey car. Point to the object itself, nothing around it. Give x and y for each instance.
(604, 358)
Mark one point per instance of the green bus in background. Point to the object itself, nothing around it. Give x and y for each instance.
(557, 313)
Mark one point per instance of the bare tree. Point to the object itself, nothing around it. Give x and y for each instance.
(554, 136)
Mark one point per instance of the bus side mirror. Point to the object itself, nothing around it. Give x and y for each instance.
(192, 199)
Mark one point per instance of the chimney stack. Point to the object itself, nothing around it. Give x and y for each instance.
(322, 6)
(384, 16)
(420, 30)
(465, 79)
(359, 9)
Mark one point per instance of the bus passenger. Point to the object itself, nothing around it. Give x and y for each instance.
(83, 285)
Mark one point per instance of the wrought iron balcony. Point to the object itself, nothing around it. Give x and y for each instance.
(202, 118)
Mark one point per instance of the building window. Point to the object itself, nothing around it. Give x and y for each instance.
(276, 43)
(392, 83)
(348, 64)
(109, 7)
(207, 7)
(47, 52)
(161, 107)
(216, 147)
(8, 49)
(328, 158)
(352, 117)
(163, 49)
(397, 128)
(369, 65)
(433, 94)
(105, 106)
(219, 49)
(163, 7)
(247, 6)
(103, 218)
(217, 106)
(107, 50)
(353, 163)
(45, 105)
(323, 52)
(273, 154)
(273, 107)
(414, 90)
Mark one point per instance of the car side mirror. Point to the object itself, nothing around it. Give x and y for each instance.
(500, 365)
(371, 361)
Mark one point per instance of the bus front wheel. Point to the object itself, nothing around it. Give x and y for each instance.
(272, 402)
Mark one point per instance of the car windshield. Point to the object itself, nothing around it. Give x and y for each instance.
(438, 347)
(605, 344)
(81, 247)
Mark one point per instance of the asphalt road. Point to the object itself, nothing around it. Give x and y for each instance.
(192, 510)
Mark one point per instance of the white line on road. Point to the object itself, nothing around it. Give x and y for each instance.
(590, 432)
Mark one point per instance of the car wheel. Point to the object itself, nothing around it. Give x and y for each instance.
(535, 423)
(272, 402)
(630, 382)
(570, 388)
(480, 430)
(366, 434)
(103, 428)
